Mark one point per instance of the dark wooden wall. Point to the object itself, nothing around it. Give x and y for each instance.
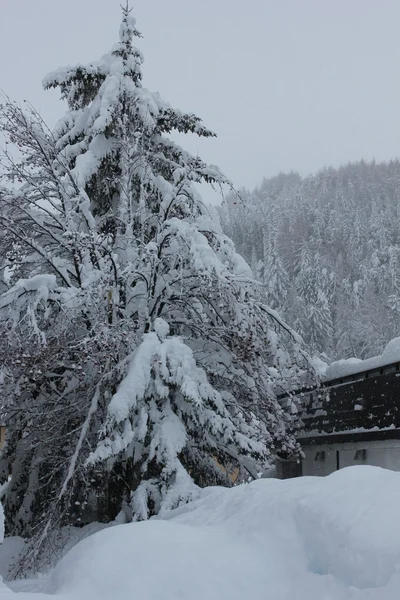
(362, 401)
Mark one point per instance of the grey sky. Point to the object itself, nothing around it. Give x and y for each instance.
(286, 84)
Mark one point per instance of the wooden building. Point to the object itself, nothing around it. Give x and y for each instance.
(349, 421)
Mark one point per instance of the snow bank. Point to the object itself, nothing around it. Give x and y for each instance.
(1, 523)
(335, 538)
(8, 553)
(341, 368)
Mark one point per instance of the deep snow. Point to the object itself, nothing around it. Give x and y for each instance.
(1, 523)
(333, 538)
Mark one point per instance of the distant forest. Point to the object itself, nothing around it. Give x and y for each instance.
(326, 249)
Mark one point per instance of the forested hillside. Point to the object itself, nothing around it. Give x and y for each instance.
(326, 249)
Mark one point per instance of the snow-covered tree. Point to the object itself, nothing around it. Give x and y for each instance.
(314, 318)
(128, 314)
(276, 279)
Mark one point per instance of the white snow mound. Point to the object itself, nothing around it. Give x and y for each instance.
(335, 538)
(1, 523)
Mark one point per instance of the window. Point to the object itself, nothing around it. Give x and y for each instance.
(320, 456)
(361, 455)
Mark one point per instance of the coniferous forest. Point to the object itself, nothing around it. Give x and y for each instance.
(326, 249)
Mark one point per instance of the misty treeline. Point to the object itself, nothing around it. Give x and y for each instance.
(139, 359)
(326, 249)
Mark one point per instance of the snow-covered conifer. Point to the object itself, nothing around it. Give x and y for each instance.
(276, 279)
(128, 314)
(314, 319)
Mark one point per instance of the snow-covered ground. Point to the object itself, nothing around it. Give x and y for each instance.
(333, 538)
(1, 523)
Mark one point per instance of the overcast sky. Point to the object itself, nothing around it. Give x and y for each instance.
(286, 84)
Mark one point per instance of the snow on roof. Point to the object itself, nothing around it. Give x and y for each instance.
(351, 366)
(313, 433)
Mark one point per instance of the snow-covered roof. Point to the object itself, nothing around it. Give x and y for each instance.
(351, 366)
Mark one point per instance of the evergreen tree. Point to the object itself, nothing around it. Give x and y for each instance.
(314, 317)
(347, 319)
(127, 315)
(276, 279)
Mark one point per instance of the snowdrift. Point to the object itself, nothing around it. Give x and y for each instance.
(1, 523)
(335, 538)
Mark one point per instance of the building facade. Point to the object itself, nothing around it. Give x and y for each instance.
(354, 420)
